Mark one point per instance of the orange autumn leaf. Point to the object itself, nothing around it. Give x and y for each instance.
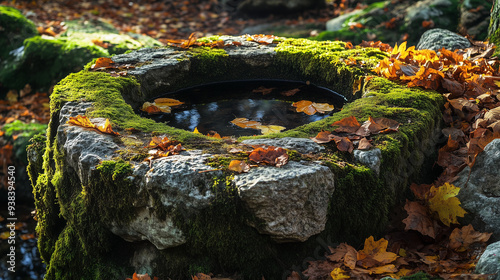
(444, 202)
(151, 108)
(343, 144)
(239, 166)
(311, 108)
(461, 239)
(102, 62)
(83, 121)
(201, 276)
(349, 125)
(323, 137)
(214, 134)
(140, 277)
(272, 155)
(376, 250)
(168, 102)
(245, 123)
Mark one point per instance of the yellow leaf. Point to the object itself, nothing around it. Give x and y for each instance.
(4, 235)
(245, 123)
(377, 251)
(239, 166)
(338, 273)
(383, 269)
(268, 129)
(196, 130)
(446, 204)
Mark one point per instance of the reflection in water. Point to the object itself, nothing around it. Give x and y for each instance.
(213, 107)
(217, 116)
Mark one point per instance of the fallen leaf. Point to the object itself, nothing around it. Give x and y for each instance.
(263, 90)
(83, 121)
(311, 108)
(272, 155)
(291, 92)
(245, 123)
(418, 219)
(349, 125)
(323, 137)
(102, 62)
(446, 204)
(364, 144)
(376, 250)
(167, 102)
(268, 129)
(239, 166)
(461, 239)
(339, 273)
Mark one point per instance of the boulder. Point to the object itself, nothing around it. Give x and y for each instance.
(480, 191)
(41, 61)
(15, 29)
(437, 38)
(475, 18)
(392, 21)
(291, 202)
(489, 262)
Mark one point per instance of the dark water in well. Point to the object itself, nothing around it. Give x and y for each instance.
(212, 107)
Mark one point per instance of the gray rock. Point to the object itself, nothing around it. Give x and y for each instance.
(84, 147)
(480, 193)
(437, 38)
(489, 262)
(177, 184)
(291, 201)
(425, 10)
(301, 145)
(371, 158)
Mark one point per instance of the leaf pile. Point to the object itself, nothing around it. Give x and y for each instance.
(450, 253)
(25, 107)
(469, 80)
(354, 131)
(270, 155)
(83, 121)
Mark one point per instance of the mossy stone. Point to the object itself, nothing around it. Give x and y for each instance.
(220, 240)
(14, 28)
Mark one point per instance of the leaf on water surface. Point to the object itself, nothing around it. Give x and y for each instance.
(245, 123)
(268, 129)
(263, 90)
(311, 108)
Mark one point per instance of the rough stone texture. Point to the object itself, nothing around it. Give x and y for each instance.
(480, 196)
(437, 38)
(177, 183)
(301, 145)
(426, 10)
(371, 158)
(489, 262)
(291, 201)
(83, 147)
(475, 18)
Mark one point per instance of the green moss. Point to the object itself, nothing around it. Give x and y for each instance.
(220, 240)
(23, 132)
(15, 28)
(108, 102)
(45, 61)
(35, 153)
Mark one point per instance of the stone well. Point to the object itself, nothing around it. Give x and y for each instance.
(104, 212)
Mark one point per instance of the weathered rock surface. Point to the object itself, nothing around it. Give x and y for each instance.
(301, 145)
(371, 158)
(437, 38)
(176, 183)
(291, 201)
(489, 262)
(480, 193)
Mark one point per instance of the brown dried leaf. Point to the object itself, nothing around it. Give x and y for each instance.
(272, 155)
(461, 239)
(239, 166)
